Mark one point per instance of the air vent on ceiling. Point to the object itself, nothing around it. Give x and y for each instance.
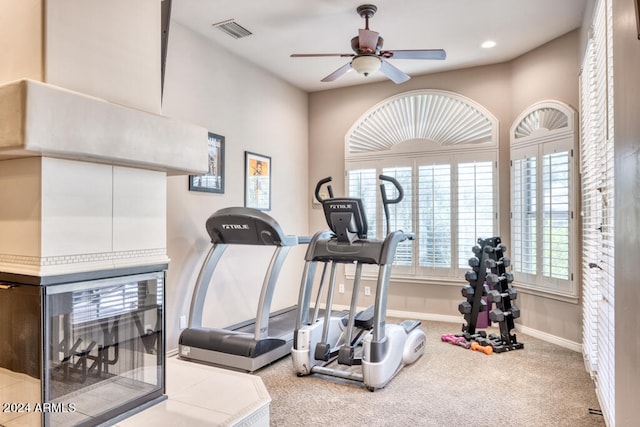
(232, 28)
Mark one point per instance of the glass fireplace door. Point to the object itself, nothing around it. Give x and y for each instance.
(105, 352)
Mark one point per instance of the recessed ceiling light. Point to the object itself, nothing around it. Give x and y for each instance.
(488, 44)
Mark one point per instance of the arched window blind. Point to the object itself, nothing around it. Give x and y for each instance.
(442, 148)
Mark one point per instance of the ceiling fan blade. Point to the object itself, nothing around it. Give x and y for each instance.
(337, 73)
(395, 74)
(415, 54)
(368, 40)
(311, 55)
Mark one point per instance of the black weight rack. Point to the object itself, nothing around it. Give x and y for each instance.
(489, 278)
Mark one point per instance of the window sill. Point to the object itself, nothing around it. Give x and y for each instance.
(545, 293)
(451, 281)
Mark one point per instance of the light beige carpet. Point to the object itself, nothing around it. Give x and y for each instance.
(540, 385)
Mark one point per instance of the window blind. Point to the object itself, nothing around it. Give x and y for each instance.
(448, 203)
(597, 165)
(524, 215)
(434, 218)
(475, 206)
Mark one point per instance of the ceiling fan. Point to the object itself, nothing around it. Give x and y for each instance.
(369, 56)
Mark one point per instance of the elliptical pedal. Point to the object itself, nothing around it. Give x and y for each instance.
(410, 325)
(364, 319)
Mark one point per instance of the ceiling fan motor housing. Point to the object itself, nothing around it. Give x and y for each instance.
(366, 10)
(355, 45)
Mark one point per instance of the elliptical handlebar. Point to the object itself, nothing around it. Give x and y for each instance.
(319, 186)
(383, 191)
(386, 201)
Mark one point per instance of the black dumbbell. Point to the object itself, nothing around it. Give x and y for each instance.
(477, 250)
(467, 291)
(488, 249)
(497, 315)
(474, 262)
(464, 307)
(496, 296)
(492, 263)
(494, 279)
(470, 276)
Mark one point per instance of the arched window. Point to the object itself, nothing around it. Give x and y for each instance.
(443, 148)
(543, 198)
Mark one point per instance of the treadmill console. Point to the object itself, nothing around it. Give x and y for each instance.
(246, 226)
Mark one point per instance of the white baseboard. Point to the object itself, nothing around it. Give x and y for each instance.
(544, 336)
(562, 342)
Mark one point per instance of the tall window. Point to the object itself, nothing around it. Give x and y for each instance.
(444, 154)
(543, 199)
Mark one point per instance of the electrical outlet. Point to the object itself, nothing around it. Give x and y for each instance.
(183, 322)
(341, 288)
(367, 291)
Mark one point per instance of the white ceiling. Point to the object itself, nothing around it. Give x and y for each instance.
(283, 27)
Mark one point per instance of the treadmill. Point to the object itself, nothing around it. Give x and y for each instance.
(249, 345)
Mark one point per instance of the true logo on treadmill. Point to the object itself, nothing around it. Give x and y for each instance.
(235, 226)
(336, 206)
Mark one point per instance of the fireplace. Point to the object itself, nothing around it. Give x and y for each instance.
(80, 353)
(85, 152)
(83, 253)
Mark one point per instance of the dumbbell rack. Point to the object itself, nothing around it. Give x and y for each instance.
(473, 292)
(489, 255)
(502, 295)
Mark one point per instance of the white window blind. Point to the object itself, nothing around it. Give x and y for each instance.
(524, 202)
(448, 205)
(363, 185)
(597, 165)
(475, 206)
(401, 214)
(434, 218)
(555, 241)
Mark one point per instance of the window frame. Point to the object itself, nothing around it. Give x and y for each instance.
(417, 272)
(535, 136)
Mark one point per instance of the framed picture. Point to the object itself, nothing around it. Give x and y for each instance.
(257, 181)
(638, 17)
(213, 181)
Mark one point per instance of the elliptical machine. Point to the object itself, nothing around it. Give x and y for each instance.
(360, 338)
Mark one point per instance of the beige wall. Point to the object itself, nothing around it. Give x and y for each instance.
(626, 47)
(549, 72)
(110, 50)
(256, 112)
(21, 40)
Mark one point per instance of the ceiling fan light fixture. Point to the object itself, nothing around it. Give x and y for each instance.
(366, 64)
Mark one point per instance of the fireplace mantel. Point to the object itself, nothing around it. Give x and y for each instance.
(40, 119)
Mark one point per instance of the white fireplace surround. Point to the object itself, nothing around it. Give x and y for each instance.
(83, 180)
